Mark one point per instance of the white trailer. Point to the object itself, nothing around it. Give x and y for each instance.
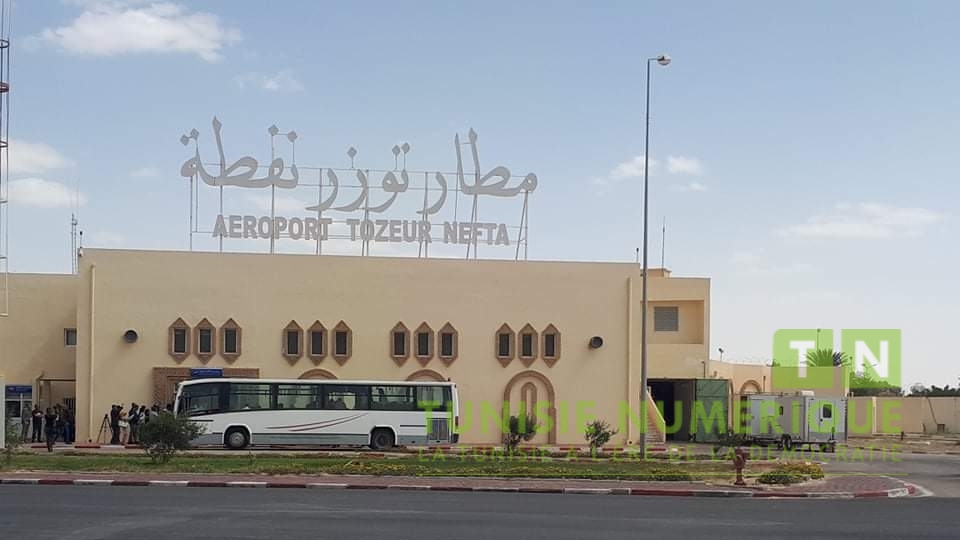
(790, 420)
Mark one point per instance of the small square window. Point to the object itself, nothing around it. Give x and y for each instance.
(70, 337)
(293, 342)
(205, 341)
(316, 343)
(666, 319)
(230, 341)
(340, 343)
(180, 341)
(827, 411)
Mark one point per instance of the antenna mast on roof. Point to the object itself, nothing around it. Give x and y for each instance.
(663, 243)
(5, 7)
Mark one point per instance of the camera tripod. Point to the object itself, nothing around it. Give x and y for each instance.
(106, 434)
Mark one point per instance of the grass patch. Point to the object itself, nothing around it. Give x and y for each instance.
(427, 465)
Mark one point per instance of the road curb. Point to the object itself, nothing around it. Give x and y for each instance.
(907, 490)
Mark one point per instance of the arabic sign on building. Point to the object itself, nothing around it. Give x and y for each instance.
(365, 216)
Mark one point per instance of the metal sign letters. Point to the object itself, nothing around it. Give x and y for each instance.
(369, 223)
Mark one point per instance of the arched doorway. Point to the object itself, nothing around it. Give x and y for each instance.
(749, 387)
(426, 375)
(532, 388)
(318, 374)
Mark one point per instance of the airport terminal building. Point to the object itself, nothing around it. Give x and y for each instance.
(132, 324)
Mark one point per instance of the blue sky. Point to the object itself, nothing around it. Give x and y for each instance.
(804, 155)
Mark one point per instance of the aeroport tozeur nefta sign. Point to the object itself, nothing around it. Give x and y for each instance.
(363, 214)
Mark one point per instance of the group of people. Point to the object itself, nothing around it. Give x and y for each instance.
(56, 423)
(125, 425)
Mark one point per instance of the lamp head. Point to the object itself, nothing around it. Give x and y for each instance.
(663, 60)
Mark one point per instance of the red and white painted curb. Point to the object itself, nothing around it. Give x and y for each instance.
(906, 491)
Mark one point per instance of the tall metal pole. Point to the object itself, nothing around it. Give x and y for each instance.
(643, 303)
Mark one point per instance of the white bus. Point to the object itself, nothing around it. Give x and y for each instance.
(381, 414)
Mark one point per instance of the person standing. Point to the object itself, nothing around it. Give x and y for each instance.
(37, 424)
(69, 429)
(61, 432)
(124, 424)
(114, 424)
(133, 417)
(25, 418)
(50, 428)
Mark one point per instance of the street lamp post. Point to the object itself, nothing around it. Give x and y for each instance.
(663, 60)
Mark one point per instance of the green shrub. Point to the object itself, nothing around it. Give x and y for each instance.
(598, 433)
(11, 443)
(522, 429)
(166, 434)
(791, 473)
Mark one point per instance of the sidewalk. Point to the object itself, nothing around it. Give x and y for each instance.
(837, 487)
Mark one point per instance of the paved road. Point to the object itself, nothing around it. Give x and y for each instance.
(938, 473)
(86, 513)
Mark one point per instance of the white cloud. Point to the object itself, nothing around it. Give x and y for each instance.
(865, 220)
(145, 172)
(116, 27)
(281, 81)
(40, 193)
(633, 168)
(630, 169)
(32, 158)
(684, 165)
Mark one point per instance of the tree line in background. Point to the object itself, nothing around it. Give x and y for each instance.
(861, 384)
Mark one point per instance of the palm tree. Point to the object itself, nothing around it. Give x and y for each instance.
(827, 358)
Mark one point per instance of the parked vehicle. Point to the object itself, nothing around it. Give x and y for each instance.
(791, 420)
(380, 414)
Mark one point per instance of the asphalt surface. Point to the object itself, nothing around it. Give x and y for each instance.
(939, 474)
(86, 513)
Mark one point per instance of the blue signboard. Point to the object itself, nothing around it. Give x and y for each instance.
(205, 373)
(16, 390)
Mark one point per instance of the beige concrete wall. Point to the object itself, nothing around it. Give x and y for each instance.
(147, 291)
(891, 415)
(940, 410)
(32, 336)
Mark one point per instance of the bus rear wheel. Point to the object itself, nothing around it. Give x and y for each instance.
(236, 438)
(381, 439)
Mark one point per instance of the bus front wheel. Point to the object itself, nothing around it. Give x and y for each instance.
(236, 438)
(381, 439)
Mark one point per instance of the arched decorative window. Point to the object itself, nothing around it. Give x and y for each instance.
(178, 340)
(342, 342)
(400, 343)
(503, 345)
(205, 341)
(292, 345)
(317, 342)
(423, 343)
(449, 344)
(527, 345)
(230, 340)
(550, 345)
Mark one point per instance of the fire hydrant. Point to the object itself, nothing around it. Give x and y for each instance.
(739, 462)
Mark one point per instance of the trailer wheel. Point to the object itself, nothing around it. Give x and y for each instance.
(786, 443)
